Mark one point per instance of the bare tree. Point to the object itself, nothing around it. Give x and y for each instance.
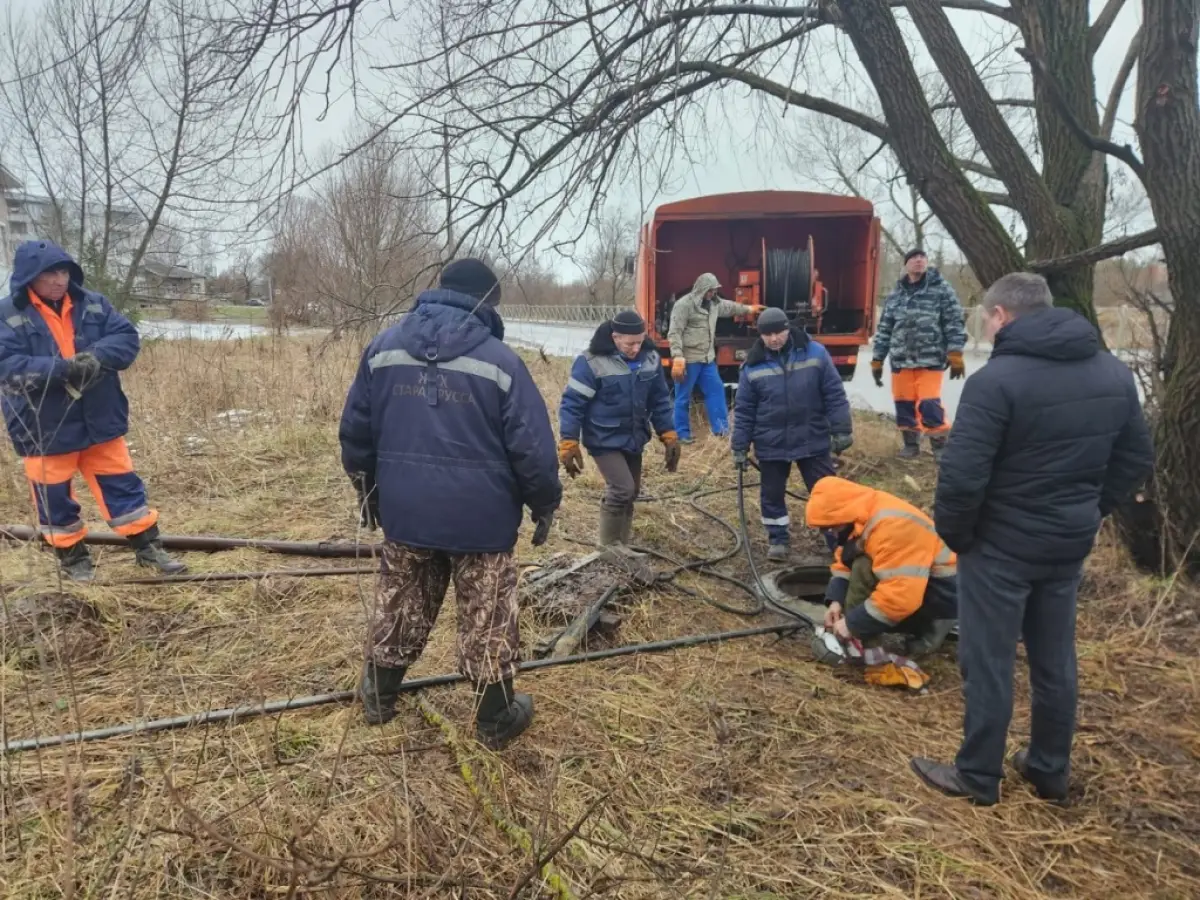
(606, 275)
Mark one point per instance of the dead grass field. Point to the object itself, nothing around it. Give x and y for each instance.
(736, 771)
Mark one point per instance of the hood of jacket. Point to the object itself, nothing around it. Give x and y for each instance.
(932, 278)
(445, 325)
(758, 351)
(834, 502)
(31, 260)
(1054, 333)
(705, 283)
(602, 343)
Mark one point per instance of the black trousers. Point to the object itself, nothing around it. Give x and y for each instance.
(1001, 600)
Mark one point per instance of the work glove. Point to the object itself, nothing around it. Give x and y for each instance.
(739, 458)
(840, 443)
(368, 500)
(755, 309)
(958, 368)
(542, 522)
(678, 369)
(890, 674)
(877, 371)
(571, 457)
(83, 370)
(670, 442)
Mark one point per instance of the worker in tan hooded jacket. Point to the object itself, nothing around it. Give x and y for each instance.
(692, 334)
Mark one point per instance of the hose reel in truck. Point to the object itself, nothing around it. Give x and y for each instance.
(787, 280)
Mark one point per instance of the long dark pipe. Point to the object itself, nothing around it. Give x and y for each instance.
(212, 544)
(205, 577)
(236, 713)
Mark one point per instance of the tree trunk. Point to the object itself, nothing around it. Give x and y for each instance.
(1168, 126)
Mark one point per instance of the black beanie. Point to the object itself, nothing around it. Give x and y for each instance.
(471, 277)
(627, 321)
(772, 320)
(916, 251)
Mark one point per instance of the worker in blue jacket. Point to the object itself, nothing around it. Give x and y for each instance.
(616, 392)
(792, 408)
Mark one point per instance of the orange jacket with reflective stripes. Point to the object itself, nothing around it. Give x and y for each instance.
(904, 548)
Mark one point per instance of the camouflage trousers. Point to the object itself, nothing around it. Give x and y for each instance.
(411, 589)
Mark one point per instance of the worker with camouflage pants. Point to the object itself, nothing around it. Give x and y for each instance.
(921, 328)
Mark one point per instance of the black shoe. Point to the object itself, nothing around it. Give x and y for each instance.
(946, 779)
(502, 714)
(379, 689)
(76, 562)
(151, 553)
(1054, 790)
(912, 445)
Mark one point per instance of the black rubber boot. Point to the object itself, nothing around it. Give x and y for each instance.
(912, 445)
(502, 714)
(76, 562)
(151, 553)
(937, 443)
(931, 639)
(612, 526)
(379, 689)
(778, 552)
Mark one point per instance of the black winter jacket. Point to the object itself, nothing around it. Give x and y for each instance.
(1048, 438)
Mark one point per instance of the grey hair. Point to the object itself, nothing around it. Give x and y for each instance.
(1019, 293)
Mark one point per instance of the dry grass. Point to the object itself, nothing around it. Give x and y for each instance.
(743, 771)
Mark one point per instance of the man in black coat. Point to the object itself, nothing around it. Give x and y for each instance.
(1048, 440)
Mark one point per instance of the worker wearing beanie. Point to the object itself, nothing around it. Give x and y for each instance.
(615, 394)
(921, 327)
(62, 348)
(447, 439)
(692, 334)
(792, 408)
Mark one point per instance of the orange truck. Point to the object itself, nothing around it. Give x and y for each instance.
(816, 256)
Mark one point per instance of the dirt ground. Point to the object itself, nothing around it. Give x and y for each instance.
(739, 770)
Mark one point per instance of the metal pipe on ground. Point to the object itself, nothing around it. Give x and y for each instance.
(214, 543)
(238, 713)
(206, 577)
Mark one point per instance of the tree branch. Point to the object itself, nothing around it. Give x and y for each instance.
(1093, 255)
(1021, 102)
(1097, 144)
(1118, 86)
(980, 6)
(1103, 24)
(998, 199)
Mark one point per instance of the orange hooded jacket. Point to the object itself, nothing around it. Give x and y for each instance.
(905, 550)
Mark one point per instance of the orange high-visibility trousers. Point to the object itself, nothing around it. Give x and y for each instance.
(108, 470)
(918, 397)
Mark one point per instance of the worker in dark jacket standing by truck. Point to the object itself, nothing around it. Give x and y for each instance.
(616, 392)
(61, 349)
(1050, 438)
(921, 328)
(791, 406)
(447, 439)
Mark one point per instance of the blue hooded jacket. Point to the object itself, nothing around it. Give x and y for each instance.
(611, 402)
(42, 418)
(449, 420)
(789, 403)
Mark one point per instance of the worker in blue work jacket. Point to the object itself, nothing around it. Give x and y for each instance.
(792, 408)
(616, 392)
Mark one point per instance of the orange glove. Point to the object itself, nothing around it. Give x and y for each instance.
(891, 675)
(571, 457)
(877, 371)
(755, 310)
(670, 442)
(957, 368)
(678, 369)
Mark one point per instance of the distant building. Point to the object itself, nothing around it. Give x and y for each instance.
(162, 281)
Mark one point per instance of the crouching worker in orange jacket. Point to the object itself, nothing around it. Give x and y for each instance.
(891, 572)
(61, 347)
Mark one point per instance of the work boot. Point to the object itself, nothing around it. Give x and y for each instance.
(1053, 789)
(76, 562)
(944, 777)
(778, 553)
(612, 526)
(931, 640)
(937, 443)
(379, 689)
(502, 714)
(151, 553)
(912, 445)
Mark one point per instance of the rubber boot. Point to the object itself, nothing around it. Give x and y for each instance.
(627, 526)
(151, 553)
(378, 691)
(931, 640)
(778, 553)
(612, 526)
(912, 445)
(502, 714)
(76, 562)
(937, 443)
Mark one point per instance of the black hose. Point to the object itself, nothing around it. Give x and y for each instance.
(788, 280)
(231, 714)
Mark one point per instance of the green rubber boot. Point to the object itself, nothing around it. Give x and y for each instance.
(502, 714)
